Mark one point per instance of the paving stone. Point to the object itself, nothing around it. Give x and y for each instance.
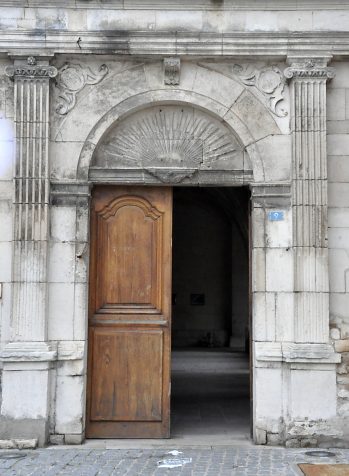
(222, 461)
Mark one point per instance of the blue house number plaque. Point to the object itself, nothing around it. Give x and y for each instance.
(276, 216)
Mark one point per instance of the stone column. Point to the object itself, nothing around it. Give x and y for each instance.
(308, 79)
(26, 358)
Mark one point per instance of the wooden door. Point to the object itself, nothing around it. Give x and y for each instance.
(129, 313)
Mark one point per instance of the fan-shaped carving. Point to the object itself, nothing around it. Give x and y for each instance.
(170, 138)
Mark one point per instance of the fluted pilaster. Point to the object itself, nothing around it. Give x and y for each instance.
(308, 79)
(31, 198)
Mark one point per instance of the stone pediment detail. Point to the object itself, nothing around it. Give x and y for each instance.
(71, 79)
(171, 143)
(268, 82)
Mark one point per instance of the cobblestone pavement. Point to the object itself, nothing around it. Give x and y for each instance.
(214, 461)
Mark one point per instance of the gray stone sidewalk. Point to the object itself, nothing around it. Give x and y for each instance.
(214, 461)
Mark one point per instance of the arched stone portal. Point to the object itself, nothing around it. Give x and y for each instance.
(165, 145)
(234, 139)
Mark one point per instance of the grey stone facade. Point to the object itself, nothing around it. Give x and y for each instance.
(266, 92)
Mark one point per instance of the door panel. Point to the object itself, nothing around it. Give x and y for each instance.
(129, 318)
(135, 384)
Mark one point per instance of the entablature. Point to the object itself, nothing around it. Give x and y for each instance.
(244, 45)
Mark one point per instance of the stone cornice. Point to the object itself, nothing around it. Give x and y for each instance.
(242, 44)
(239, 5)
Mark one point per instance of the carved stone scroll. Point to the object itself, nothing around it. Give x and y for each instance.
(309, 197)
(71, 79)
(268, 82)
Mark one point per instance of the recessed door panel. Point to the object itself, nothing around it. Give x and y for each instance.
(127, 375)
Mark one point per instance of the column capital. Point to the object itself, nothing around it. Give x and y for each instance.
(271, 195)
(306, 67)
(31, 68)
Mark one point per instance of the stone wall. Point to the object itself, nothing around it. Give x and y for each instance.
(6, 166)
(108, 64)
(338, 232)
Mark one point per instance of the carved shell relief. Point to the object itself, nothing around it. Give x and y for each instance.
(170, 143)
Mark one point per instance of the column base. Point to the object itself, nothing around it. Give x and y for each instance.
(19, 351)
(24, 429)
(26, 390)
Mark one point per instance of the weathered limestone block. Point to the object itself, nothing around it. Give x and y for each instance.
(18, 443)
(33, 409)
(335, 333)
(260, 436)
(342, 345)
(321, 405)
(69, 403)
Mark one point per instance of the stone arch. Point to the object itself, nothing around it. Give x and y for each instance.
(208, 106)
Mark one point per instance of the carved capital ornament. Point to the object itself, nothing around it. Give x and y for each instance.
(309, 69)
(31, 70)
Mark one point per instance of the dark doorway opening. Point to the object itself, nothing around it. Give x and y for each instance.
(210, 381)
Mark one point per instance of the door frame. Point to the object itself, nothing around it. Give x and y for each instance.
(170, 322)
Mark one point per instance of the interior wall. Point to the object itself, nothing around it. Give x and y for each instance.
(239, 339)
(207, 259)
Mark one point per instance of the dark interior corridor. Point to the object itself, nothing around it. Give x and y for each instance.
(210, 382)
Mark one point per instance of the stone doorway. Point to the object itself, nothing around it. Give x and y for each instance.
(210, 314)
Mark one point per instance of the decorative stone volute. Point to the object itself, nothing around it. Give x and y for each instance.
(71, 80)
